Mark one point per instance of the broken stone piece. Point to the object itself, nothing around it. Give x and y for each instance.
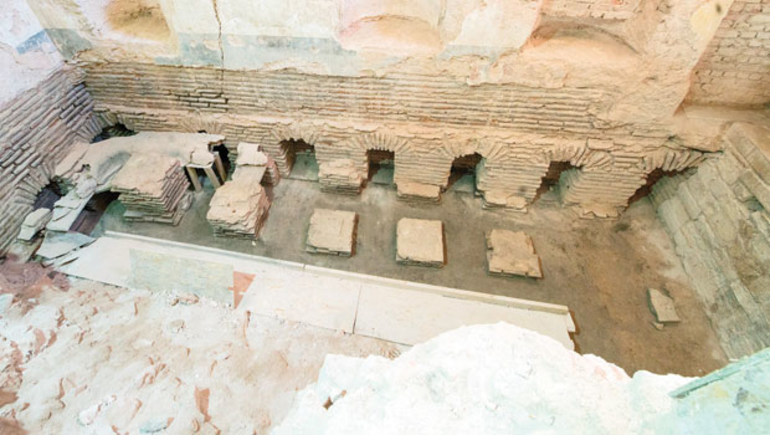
(512, 253)
(250, 154)
(57, 244)
(332, 232)
(662, 306)
(420, 242)
(418, 192)
(33, 223)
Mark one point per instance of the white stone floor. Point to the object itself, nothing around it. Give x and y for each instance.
(393, 310)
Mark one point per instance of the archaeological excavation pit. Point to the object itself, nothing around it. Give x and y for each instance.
(538, 216)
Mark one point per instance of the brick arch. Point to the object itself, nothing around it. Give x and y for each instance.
(296, 131)
(195, 124)
(671, 160)
(574, 153)
(379, 141)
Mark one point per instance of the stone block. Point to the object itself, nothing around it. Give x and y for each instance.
(332, 232)
(420, 242)
(662, 306)
(418, 192)
(511, 253)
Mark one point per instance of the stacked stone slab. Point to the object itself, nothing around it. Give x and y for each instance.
(511, 253)
(420, 242)
(340, 176)
(154, 188)
(332, 232)
(418, 192)
(719, 221)
(239, 208)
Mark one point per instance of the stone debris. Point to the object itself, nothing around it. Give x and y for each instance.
(511, 253)
(332, 232)
(68, 208)
(58, 244)
(340, 176)
(239, 208)
(153, 188)
(34, 223)
(420, 242)
(419, 192)
(662, 306)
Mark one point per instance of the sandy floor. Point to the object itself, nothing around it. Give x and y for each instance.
(101, 360)
(600, 269)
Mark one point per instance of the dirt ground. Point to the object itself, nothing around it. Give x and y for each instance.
(97, 359)
(600, 269)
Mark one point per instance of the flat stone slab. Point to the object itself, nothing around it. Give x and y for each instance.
(420, 242)
(332, 232)
(511, 253)
(662, 306)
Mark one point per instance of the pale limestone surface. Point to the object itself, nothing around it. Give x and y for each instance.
(332, 232)
(512, 253)
(420, 242)
(662, 306)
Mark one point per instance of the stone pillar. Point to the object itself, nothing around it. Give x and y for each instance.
(511, 186)
(602, 193)
(340, 176)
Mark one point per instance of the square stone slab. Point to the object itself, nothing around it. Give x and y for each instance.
(332, 232)
(662, 306)
(420, 242)
(512, 253)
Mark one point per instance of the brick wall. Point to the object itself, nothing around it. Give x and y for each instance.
(719, 220)
(735, 69)
(426, 121)
(605, 9)
(36, 130)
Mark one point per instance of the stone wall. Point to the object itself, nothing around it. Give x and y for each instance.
(719, 220)
(735, 69)
(36, 131)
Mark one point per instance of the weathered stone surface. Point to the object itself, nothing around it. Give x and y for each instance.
(662, 306)
(420, 242)
(157, 271)
(332, 232)
(512, 253)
